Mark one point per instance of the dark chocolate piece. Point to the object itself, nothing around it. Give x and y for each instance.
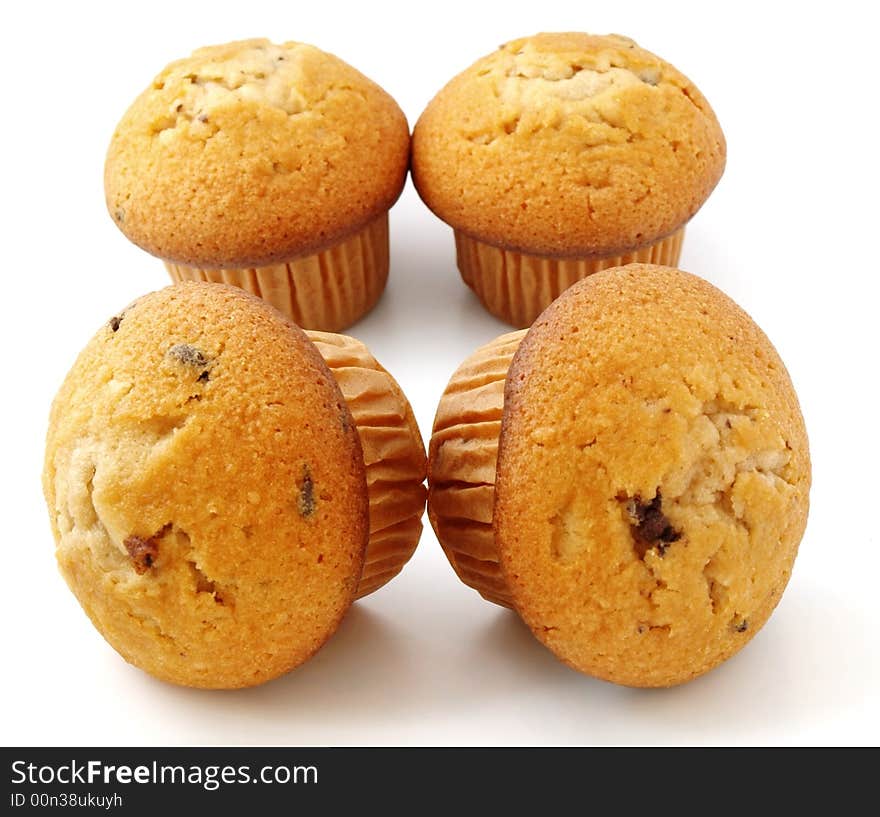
(651, 530)
(143, 552)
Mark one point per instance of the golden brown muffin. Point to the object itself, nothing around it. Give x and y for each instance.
(562, 154)
(394, 455)
(207, 488)
(652, 478)
(271, 167)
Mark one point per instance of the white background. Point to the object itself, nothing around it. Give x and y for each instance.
(790, 233)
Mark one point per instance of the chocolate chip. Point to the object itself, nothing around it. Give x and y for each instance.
(114, 322)
(143, 552)
(305, 502)
(190, 356)
(651, 530)
(739, 625)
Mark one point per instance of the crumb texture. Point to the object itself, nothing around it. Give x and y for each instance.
(394, 455)
(652, 479)
(568, 145)
(461, 466)
(212, 164)
(213, 528)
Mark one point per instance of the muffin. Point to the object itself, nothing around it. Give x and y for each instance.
(270, 167)
(560, 155)
(631, 475)
(207, 487)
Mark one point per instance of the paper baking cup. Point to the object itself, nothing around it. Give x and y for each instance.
(328, 290)
(393, 453)
(517, 287)
(461, 466)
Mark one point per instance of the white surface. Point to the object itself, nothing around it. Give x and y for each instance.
(789, 233)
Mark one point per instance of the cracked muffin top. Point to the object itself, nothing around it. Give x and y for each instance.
(653, 476)
(206, 488)
(249, 153)
(568, 144)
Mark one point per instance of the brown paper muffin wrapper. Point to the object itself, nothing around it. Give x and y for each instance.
(328, 290)
(517, 287)
(461, 466)
(393, 454)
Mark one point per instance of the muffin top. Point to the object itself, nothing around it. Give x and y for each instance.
(206, 488)
(568, 145)
(653, 476)
(251, 153)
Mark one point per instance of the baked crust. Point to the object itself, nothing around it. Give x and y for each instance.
(653, 477)
(568, 145)
(206, 488)
(249, 153)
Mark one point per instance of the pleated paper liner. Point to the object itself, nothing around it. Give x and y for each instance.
(393, 453)
(328, 290)
(461, 466)
(517, 287)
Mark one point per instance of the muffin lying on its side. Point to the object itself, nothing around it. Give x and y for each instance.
(631, 475)
(208, 492)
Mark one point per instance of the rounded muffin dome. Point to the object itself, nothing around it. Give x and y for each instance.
(206, 488)
(568, 145)
(249, 153)
(653, 477)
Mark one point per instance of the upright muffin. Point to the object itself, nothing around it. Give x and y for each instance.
(208, 491)
(631, 475)
(270, 167)
(559, 155)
